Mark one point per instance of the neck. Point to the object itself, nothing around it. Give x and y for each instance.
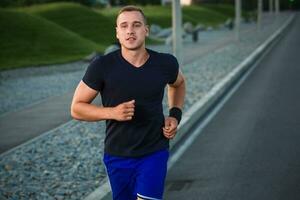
(135, 57)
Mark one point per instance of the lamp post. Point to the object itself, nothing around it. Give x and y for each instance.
(177, 30)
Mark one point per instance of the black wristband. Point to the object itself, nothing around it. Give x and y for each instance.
(176, 113)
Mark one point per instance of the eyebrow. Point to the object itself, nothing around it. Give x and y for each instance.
(134, 22)
(137, 22)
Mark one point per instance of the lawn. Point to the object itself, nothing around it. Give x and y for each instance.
(63, 32)
(225, 9)
(163, 15)
(78, 19)
(30, 40)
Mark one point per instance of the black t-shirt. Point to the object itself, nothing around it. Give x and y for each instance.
(118, 81)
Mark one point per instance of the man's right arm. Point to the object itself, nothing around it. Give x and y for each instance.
(82, 109)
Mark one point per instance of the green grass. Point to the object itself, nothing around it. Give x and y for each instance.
(197, 14)
(163, 15)
(79, 19)
(228, 10)
(225, 9)
(62, 32)
(30, 40)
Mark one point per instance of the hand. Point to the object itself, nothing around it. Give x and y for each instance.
(124, 111)
(170, 127)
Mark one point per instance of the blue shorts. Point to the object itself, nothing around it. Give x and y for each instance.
(142, 177)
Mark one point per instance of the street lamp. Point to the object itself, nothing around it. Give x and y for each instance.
(176, 30)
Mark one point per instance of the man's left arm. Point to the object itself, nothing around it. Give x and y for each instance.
(176, 95)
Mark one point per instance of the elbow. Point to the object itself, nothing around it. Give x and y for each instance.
(74, 115)
(73, 112)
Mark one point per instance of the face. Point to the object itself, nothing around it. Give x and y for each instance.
(131, 30)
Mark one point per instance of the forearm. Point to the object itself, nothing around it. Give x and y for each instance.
(176, 95)
(90, 112)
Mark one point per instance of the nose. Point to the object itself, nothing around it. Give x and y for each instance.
(130, 30)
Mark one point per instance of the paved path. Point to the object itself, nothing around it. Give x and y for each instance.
(20, 126)
(250, 150)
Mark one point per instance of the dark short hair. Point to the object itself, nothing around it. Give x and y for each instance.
(131, 8)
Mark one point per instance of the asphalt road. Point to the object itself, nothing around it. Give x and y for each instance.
(251, 148)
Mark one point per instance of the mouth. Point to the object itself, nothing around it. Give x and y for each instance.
(131, 39)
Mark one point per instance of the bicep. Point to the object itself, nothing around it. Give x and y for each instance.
(179, 80)
(84, 93)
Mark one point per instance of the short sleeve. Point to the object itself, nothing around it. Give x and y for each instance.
(173, 70)
(94, 75)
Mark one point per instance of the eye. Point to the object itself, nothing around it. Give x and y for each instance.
(137, 25)
(123, 26)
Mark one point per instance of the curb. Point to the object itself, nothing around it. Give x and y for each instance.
(200, 108)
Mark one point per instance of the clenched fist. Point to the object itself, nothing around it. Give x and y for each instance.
(170, 127)
(124, 111)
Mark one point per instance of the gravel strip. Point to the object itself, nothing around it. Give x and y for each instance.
(66, 163)
(24, 87)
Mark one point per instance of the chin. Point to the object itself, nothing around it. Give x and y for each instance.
(136, 47)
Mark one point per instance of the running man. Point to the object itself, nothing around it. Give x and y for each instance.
(131, 82)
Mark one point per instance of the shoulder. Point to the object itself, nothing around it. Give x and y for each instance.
(101, 61)
(106, 58)
(164, 58)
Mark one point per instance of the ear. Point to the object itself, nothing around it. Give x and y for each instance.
(147, 30)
